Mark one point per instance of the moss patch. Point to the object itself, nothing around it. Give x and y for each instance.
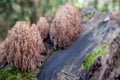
(14, 74)
(89, 60)
(117, 64)
(87, 16)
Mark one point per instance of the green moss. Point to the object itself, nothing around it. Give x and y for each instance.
(117, 63)
(14, 74)
(87, 16)
(89, 60)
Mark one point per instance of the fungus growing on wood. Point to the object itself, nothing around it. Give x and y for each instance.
(23, 47)
(115, 16)
(65, 27)
(42, 27)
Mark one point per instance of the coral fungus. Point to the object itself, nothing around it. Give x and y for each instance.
(23, 47)
(115, 16)
(42, 27)
(65, 26)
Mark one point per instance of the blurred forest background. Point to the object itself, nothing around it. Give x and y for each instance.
(30, 10)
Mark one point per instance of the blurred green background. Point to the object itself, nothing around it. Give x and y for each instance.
(30, 10)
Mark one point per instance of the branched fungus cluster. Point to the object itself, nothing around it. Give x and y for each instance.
(42, 27)
(65, 26)
(23, 47)
(115, 16)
